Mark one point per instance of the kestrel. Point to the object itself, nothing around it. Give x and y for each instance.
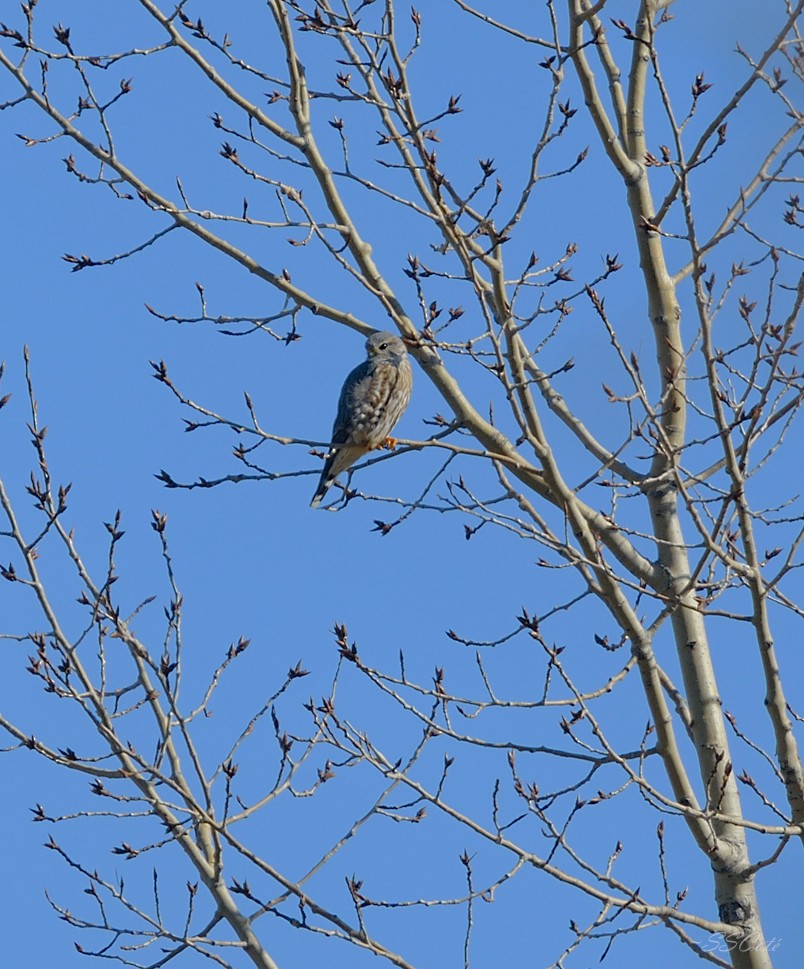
(373, 398)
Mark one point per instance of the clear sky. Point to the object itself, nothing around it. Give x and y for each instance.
(252, 559)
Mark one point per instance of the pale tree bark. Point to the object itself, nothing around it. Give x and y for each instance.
(726, 847)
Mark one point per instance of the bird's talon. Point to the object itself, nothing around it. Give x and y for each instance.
(389, 443)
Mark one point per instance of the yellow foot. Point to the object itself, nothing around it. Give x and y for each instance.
(389, 443)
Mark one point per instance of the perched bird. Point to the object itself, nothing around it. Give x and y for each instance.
(373, 398)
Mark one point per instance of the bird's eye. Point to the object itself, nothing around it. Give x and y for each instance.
(383, 346)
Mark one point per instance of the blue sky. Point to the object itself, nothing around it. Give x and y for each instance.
(253, 559)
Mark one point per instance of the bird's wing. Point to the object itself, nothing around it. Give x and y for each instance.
(351, 393)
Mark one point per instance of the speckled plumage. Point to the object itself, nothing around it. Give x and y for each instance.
(373, 398)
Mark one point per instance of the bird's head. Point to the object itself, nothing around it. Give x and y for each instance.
(385, 344)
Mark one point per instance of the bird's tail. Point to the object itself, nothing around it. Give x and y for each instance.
(341, 459)
(323, 487)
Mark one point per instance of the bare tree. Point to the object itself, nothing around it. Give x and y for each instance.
(657, 494)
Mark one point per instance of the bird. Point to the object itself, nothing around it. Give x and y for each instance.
(373, 398)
